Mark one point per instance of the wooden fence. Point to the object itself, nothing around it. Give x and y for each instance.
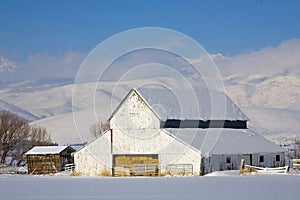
(136, 170)
(180, 169)
(152, 170)
(145, 170)
(12, 170)
(70, 167)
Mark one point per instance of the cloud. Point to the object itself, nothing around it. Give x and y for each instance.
(146, 64)
(173, 43)
(267, 61)
(44, 66)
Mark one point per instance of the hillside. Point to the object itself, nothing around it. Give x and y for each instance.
(18, 111)
(272, 105)
(271, 101)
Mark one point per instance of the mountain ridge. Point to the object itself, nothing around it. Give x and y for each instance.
(259, 100)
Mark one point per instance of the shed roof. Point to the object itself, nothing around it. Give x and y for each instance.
(44, 150)
(196, 104)
(225, 141)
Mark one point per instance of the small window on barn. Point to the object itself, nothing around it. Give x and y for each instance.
(261, 159)
(277, 158)
(228, 160)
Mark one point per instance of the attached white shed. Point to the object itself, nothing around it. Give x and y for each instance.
(154, 131)
(223, 149)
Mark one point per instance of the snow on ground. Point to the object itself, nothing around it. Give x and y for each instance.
(225, 173)
(273, 187)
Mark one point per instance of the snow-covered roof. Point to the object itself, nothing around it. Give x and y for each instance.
(196, 104)
(44, 150)
(225, 141)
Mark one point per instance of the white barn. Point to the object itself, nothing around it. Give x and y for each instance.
(156, 131)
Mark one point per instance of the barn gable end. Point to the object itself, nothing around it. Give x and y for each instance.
(134, 113)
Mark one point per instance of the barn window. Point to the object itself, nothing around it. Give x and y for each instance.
(261, 159)
(228, 160)
(277, 158)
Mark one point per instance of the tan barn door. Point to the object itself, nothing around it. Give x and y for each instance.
(135, 164)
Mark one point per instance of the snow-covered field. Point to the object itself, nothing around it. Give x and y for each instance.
(217, 186)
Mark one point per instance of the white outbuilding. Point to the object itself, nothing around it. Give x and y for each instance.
(158, 131)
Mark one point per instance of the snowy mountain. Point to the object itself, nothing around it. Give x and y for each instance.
(274, 91)
(264, 84)
(278, 125)
(272, 104)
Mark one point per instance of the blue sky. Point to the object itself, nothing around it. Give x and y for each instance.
(230, 27)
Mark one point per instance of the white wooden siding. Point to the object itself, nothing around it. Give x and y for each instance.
(219, 162)
(134, 113)
(156, 141)
(95, 158)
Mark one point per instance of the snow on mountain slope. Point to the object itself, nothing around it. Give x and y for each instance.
(46, 100)
(264, 83)
(63, 129)
(17, 111)
(108, 95)
(278, 125)
(44, 103)
(271, 102)
(276, 91)
(277, 120)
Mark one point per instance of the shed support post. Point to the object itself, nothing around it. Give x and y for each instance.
(242, 167)
(111, 140)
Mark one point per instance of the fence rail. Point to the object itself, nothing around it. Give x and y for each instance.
(180, 169)
(244, 169)
(122, 170)
(12, 170)
(136, 170)
(70, 167)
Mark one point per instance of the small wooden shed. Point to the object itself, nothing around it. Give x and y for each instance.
(48, 159)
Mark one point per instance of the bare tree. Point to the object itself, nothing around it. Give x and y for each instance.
(296, 152)
(13, 130)
(17, 137)
(99, 128)
(38, 136)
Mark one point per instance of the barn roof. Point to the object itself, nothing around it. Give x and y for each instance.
(225, 141)
(44, 150)
(196, 104)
